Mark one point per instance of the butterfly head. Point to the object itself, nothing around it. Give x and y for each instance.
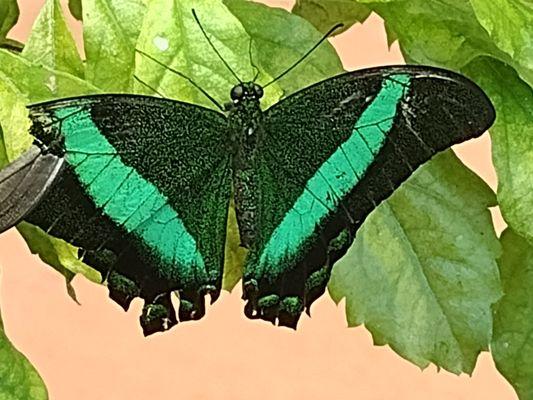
(246, 91)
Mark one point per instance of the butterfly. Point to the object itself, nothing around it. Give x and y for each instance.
(143, 185)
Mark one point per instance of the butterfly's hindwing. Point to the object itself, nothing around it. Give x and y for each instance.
(144, 193)
(331, 153)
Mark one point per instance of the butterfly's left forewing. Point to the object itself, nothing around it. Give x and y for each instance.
(144, 193)
(330, 154)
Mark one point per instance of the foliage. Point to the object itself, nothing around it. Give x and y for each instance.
(18, 378)
(511, 345)
(422, 274)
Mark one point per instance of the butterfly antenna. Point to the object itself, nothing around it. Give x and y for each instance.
(180, 74)
(149, 86)
(213, 46)
(252, 60)
(305, 55)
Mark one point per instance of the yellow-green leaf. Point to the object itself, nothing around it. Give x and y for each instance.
(422, 274)
(51, 44)
(512, 343)
(18, 378)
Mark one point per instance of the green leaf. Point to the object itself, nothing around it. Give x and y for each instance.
(110, 31)
(509, 24)
(18, 379)
(451, 34)
(57, 253)
(234, 254)
(512, 140)
(324, 14)
(51, 43)
(422, 274)
(9, 14)
(37, 83)
(177, 41)
(276, 47)
(444, 33)
(21, 83)
(15, 122)
(3, 152)
(512, 343)
(75, 9)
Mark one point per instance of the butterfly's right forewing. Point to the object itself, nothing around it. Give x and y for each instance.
(144, 193)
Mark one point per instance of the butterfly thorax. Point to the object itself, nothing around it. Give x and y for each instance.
(245, 121)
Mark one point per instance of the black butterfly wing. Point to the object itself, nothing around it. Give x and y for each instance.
(144, 192)
(331, 153)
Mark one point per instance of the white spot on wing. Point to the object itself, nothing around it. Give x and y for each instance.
(51, 83)
(161, 43)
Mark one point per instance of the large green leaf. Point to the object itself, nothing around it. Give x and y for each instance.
(512, 140)
(451, 33)
(509, 24)
(324, 14)
(422, 274)
(110, 31)
(239, 32)
(512, 344)
(9, 14)
(51, 44)
(18, 379)
(444, 33)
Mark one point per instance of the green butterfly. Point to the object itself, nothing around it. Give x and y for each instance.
(142, 185)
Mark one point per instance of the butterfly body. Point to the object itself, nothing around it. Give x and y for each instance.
(146, 183)
(245, 121)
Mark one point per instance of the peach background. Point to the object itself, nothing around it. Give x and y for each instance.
(96, 351)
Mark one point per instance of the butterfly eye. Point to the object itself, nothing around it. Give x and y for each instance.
(258, 91)
(237, 92)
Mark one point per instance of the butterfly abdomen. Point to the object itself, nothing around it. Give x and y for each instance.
(246, 126)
